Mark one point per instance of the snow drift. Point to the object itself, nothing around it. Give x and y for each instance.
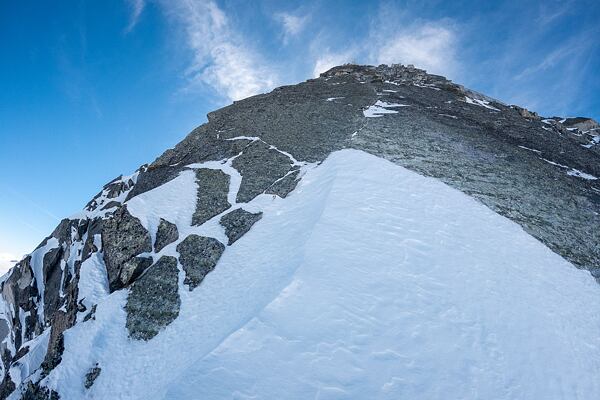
(368, 281)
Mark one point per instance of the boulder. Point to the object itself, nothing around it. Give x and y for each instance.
(153, 302)
(213, 187)
(198, 256)
(166, 234)
(260, 166)
(238, 222)
(123, 238)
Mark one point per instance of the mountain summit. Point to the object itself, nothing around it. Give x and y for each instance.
(377, 232)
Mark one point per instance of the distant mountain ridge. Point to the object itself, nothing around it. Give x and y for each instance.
(148, 241)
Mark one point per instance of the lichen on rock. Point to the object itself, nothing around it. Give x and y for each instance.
(198, 256)
(213, 187)
(238, 222)
(153, 302)
(260, 166)
(166, 234)
(123, 238)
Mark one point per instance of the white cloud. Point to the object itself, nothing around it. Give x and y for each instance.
(7, 260)
(430, 47)
(221, 58)
(137, 6)
(328, 60)
(292, 24)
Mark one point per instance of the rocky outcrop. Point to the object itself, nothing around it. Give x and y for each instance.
(91, 376)
(198, 256)
(200, 145)
(20, 293)
(238, 222)
(166, 234)
(260, 166)
(123, 238)
(539, 172)
(213, 187)
(154, 301)
(34, 391)
(284, 186)
(112, 190)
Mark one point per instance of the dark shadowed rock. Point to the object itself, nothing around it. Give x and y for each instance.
(91, 376)
(123, 238)
(260, 166)
(213, 187)
(53, 276)
(238, 222)
(91, 314)
(56, 342)
(7, 386)
(198, 255)
(19, 290)
(166, 234)
(34, 391)
(94, 228)
(132, 269)
(110, 204)
(153, 302)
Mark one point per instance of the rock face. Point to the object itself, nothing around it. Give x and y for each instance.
(198, 256)
(154, 301)
(213, 187)
(282, 187)
(36, 392)
(238, 222)
(539, 172)
(166, 234)
(123, 239)
(260, 167)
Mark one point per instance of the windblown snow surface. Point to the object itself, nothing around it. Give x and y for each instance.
(368, 282)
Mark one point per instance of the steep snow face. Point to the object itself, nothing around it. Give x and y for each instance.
(368, 281)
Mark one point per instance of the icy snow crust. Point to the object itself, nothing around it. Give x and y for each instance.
(368, 281)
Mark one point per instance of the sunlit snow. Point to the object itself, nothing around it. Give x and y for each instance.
(368, 281)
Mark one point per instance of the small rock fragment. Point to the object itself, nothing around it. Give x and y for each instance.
(91, 376)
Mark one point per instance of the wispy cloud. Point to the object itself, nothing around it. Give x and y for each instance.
(136, 6)
(292, 24)
(328, 59)
(32, 203)
(431, 45)
(566, 53)
(550, 12)
(221, 58)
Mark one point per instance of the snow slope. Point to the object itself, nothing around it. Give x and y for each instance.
(368, 282)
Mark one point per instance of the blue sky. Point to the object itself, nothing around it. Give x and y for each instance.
(90, 90)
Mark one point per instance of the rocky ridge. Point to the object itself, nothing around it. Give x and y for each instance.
(540, 172)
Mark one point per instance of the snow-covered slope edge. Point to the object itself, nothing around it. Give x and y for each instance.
(368, 281)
